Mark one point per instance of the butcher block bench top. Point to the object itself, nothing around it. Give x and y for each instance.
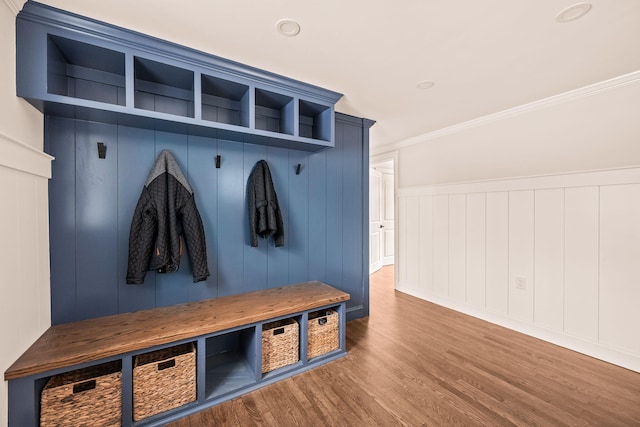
(87, 340)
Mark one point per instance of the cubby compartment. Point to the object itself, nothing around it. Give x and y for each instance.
(274, 112)
(230, 363)
(224, 101)
(84, 71)
(163, 88)
(315, 120)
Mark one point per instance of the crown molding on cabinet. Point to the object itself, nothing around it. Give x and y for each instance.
(512, 112)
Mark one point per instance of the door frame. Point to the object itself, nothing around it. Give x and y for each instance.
(393, 157)
(373, 268)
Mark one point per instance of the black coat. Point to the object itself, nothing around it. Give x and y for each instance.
(265, 218)
(166, 212)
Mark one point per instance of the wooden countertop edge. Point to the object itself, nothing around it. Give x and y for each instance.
(24, 366)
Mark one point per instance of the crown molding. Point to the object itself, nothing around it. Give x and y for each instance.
(512, 112)
(13, 6)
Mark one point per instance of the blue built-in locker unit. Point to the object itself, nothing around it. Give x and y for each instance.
(113, 99)
(92, 202)
(133, 95)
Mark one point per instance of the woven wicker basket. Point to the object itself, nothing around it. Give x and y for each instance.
(163, 380)
(280, 344)
(85, 397)
(323, 333)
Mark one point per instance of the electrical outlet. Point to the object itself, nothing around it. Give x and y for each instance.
(521, 283)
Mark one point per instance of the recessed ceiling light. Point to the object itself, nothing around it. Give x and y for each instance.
(425, 84)
(288, 27)
(573, 12)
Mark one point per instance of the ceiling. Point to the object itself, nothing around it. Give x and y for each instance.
(484, 56)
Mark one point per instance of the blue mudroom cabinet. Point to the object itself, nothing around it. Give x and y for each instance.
(113, 99)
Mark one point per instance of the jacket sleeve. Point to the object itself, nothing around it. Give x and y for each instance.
(251, 204)
(142, 234)
(193, 230)
(278, 236)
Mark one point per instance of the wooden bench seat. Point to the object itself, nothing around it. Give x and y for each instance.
(85, 341)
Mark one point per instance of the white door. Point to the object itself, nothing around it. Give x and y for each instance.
(375, 221)
(387, 229)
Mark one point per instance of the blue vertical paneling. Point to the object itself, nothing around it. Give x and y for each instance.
(317, 171)
(96, 221)
(255, 259)
(136, 154)
(60, 143)
(172, 288)
(278, 258)
(298, 217)
(333, 210)
(231, 219)
(203, 177)
(352, 213)
(92, 203)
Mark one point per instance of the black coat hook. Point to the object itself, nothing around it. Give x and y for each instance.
(298, 167)
(102, 150)
(218, 158)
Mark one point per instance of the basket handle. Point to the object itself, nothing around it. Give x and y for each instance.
(278, 331)
(166, 365)
(322, 321)
(87, 385)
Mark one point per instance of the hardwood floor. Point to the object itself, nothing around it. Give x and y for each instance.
(414, 363)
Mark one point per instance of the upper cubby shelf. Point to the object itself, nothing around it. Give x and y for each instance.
(72, 66)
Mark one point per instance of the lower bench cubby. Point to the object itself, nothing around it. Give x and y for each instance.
(88, 396)
(230, 363)
(151, 367)
(163, 379)
(323, 332)
(280, 344)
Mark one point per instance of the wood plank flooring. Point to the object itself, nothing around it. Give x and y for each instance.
(414, 363)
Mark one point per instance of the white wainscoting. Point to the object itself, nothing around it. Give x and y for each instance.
(556, 257)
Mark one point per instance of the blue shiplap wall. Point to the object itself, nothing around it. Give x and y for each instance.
(92, 202)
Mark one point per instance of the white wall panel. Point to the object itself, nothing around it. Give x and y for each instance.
(521, 223)
(401, 261)
(412, 253)
(24, 253)
(476, 249)
(576, 246)
(497, 282)
(581, 262)
(620, 266)
(426, 244)
(441, 245)
(457, 247)
(549, 259)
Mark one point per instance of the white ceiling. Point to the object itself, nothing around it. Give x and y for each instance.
(485, 56)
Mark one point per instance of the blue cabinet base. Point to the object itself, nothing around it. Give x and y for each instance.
(24, 393)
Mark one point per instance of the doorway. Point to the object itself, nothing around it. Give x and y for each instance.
(381, 214)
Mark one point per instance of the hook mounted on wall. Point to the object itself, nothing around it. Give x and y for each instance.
(218, 158)
(298, 167)
(102, 150)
